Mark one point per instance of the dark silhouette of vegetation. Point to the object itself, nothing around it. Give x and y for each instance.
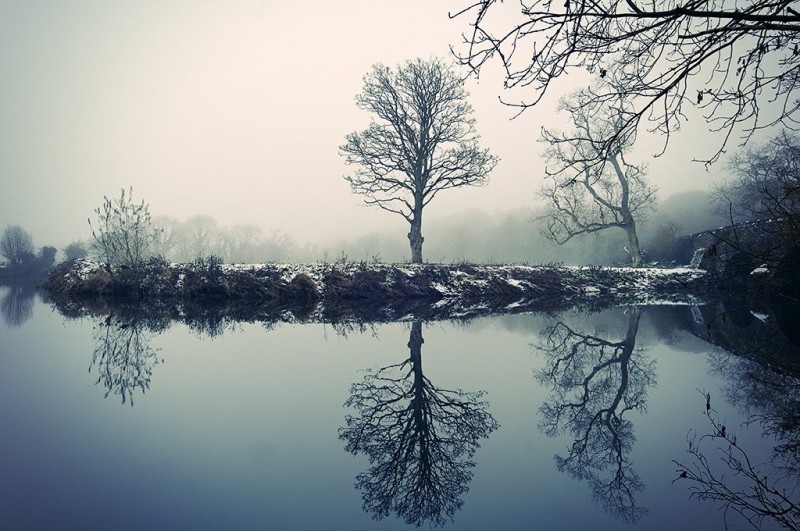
(594, 383)
(764, 184)
(25, 266)
(765, 188)
(123, 232)
(721, 470)
(75, 250)
(737, 62)
(421, 141)
(419, 439)
(16, 244)
(17, 304)
(591, 187)
(123, 356)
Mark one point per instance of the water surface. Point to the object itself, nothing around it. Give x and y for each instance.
(569, 421)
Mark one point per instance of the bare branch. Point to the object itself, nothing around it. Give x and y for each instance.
(747, 52)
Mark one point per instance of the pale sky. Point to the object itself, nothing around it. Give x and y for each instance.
(235, 109)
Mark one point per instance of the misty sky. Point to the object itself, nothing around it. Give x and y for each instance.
(236, 109)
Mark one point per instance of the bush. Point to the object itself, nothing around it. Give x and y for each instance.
(123, 234)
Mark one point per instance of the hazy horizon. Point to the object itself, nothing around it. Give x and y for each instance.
(237, 111)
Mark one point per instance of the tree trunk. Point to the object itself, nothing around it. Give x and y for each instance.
(415, 342)
(633, 243)
(415, 238)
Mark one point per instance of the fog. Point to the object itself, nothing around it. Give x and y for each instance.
(236, 110)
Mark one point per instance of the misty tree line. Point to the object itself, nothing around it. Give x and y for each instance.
(124, 232)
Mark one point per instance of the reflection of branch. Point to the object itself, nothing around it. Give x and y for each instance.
(594, 382)
(419, 440)
(17, 305)
(749, 492)
(123, 357)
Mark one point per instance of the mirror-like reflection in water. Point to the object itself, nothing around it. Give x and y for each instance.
(420, 440)
(594, 382)
(123, 356)
(17, 304)
(215, 424)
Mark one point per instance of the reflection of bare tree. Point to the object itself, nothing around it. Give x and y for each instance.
(123, 356)
(17, 305)
(594, 383)
(738, 482)
(420, 440)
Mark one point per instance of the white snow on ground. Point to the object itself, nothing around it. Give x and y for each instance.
(647, 285)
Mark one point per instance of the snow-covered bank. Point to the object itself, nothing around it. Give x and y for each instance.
(363, 291)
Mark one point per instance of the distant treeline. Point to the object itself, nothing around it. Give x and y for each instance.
(476, 236)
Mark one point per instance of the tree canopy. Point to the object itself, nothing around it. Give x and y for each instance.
(16, 244)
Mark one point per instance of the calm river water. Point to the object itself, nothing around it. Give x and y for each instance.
(570, 421)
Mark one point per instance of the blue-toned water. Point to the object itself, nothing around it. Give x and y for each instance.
(569, 421)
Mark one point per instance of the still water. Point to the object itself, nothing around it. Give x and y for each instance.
(568, 421)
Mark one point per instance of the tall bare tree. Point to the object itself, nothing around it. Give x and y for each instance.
(731, 59)
(590, 188)
(422, 140)
(419, 438)
(15, 244)
(594, 383)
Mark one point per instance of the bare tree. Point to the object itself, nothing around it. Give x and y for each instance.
(123, 234)
(595, 382)
(16, 244)
(201, 236)
(422, 140)
(419, 438)
(166, 236)
(765, 185)
(735, 480)
(591, 188)
(732, 59)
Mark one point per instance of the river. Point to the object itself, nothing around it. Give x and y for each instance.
(564, 421)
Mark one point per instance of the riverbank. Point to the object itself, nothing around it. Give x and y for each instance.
(343, 291)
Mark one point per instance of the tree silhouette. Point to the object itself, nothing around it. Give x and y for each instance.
(419, 439)
(590, 188)
(123, 356)
(594, 383)
(16, 244)
(423, 141)
(746, 55)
